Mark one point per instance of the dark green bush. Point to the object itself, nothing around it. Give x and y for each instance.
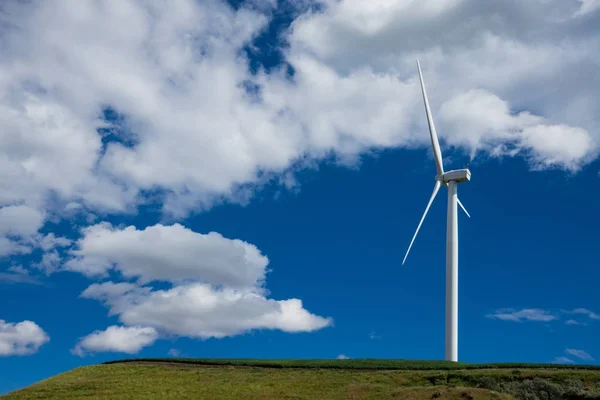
(487, 382)
(437, 379)
(537, 388)
(573, 387)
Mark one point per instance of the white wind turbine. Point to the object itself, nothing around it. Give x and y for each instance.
(449, 179)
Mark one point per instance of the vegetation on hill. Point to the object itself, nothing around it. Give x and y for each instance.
(357, 364)
(322, 379)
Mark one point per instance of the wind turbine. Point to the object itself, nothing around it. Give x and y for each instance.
(449, 179)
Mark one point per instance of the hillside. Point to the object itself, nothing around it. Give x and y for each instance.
(315, 379)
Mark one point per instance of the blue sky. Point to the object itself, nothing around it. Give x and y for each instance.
(309, 161)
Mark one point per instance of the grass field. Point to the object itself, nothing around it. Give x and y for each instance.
(315, 379)
(359, 364)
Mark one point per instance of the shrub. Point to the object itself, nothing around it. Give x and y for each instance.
(487, 382)
(533, 389)
(437, 379)
(573, 387)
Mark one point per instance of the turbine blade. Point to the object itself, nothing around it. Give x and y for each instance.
(436, 188)
(437, 153)
(463, 207)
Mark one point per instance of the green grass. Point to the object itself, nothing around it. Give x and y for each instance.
(313, 379)
(359, 364)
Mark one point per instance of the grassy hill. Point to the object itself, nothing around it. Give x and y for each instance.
(316, 379)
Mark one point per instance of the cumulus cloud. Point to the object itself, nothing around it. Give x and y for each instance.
(20, 220)
(342, 357)
(217, 284)
(120, 339)
(482, 120)
(18, 226)
(18, 274)
(169, 253)
(158, 76)
(188, 127)
(526, 314)
(102, 104)
(201, 311)
(21, 338)
(50, 242)
(491, 100)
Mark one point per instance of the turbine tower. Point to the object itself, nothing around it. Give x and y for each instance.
(449, 179)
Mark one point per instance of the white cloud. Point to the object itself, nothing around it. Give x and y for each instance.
(63, 61)
(342, 357)
(200, 311)
(536, 314)
(50, 262)
(562, 145)
(174, 352)
(583, 355)
(22, 338)
(192, 133)
(374, 335)
(57, 75)
(562, 360)
(20, 220)
(120, 339)
(217, 283)
(587, 7)
(169, 253)
(158, 75)
(580, 354)
(20, 223)
(50, 241)
(585, 311)
(481, 120)
(526, 314)
(18, 274)
(473, 60)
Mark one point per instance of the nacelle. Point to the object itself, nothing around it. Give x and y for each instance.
(458, 175)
